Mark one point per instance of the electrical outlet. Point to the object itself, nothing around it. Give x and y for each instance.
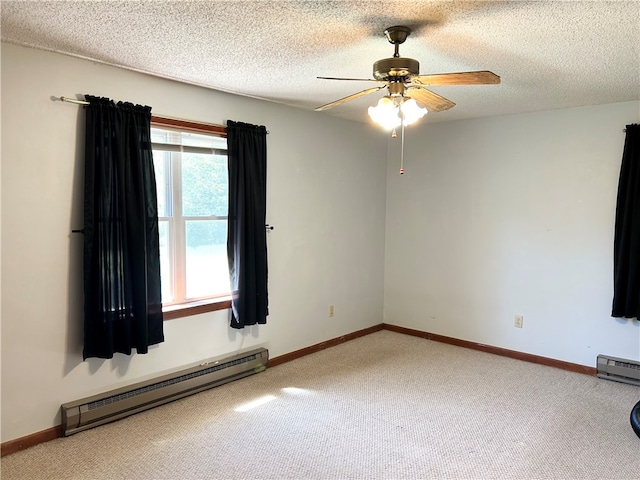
(519, 321)
(331, 310)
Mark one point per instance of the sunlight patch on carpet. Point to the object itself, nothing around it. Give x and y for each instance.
(255, 403)
(296, 391)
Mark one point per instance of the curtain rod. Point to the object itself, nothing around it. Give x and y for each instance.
(73, 100)
(84, 102)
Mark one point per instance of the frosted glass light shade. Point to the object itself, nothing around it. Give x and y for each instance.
(385, 113)
(411, 112)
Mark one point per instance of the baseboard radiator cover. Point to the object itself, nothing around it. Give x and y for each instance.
(120, 403)
(618, 369)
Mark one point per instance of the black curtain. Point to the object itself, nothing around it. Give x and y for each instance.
(626, 265)
(246, 237)
(122, 294)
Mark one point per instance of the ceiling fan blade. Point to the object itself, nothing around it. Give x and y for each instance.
(349, 98)
(351, 79)
(432, 101)
(483, 77)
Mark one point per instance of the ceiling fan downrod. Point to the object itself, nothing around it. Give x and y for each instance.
(397, 35)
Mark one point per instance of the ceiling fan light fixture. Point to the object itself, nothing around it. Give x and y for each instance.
(390, 115)
(386, 113)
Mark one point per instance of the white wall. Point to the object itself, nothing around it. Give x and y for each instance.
(326, 199)
(510, 215)
(494, 217)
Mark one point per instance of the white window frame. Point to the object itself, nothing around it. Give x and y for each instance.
(176, 222)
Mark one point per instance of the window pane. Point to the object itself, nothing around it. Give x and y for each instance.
(207, 266)
(162, 177)
(176, 137)
(198, 140)
(204, 185)
(159, 135)
(165, 262)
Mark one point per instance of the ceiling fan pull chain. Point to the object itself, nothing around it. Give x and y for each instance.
(402, 147)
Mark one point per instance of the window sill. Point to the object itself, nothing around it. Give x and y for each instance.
(172, 312)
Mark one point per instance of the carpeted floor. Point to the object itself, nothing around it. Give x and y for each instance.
(384, 406)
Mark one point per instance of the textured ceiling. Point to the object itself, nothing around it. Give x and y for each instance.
(549, 54)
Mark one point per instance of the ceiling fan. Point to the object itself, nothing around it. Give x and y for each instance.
(401, 77)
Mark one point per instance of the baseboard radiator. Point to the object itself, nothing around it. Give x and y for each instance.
(116, 404)
(618, 369)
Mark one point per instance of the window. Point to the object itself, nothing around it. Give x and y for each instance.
(192, 182)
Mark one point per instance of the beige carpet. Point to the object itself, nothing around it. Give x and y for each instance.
(385, 406)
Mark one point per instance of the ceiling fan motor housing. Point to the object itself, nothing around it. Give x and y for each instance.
(395, 68)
